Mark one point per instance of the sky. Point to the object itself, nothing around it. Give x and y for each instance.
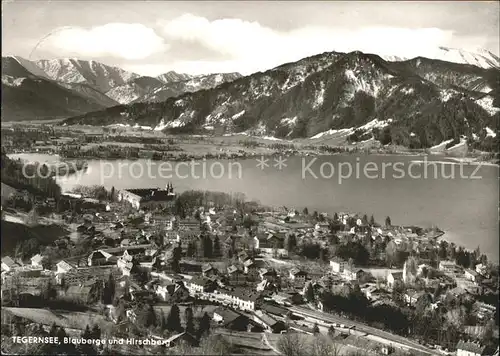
(154, 37)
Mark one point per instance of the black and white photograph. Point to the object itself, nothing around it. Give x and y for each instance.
(272, 178)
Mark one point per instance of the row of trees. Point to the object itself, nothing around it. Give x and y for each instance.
(148, 318)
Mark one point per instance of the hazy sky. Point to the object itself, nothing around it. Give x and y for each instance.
(153, 37)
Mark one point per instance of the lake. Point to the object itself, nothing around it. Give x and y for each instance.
(461, 199)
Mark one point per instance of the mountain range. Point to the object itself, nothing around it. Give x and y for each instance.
(58, 88)
(416, 103)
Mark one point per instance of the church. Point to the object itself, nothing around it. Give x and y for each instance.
(149, 198)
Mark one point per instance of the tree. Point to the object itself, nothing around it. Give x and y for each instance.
(191, 249)
(61, 333)
(207, 246)
(388, 222)
(315, 329)
(204, 325)
(315, 215)
(53, 330)
(305, 211)
(48, 291)
(372, 220)
(331, 331)
(189, 316)
(291, 243)
(109, 290)
(335, 217)
(365, 219)
(86, 333)
(173, 319)
(162, 322)
(96, 332)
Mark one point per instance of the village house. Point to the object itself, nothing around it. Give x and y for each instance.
(236, 275)
(393, 278)
(484, 311)
(172, 291)
(469, 286)
(125, 266)
(338, 265)
(412, 296)
(100, 257)
(8, 264)
(274, 310)
(200, 285)
(184, 336)
(448, 267)
(471, 275)
(36, 261)
(171, 237)
(64, 267)
(230, 319)
(243, 256)
(482, 270)
(250, 268)
(269, 275)
(150, 198)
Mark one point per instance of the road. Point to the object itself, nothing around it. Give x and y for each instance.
(396, 340)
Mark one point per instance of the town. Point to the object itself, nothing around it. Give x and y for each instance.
(212, 272)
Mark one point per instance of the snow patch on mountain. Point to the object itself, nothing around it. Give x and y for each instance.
(289, 121)
(407, 91)
(31, 67)
(332, 132)
(320, 96)
(446, 94)
(375, 123)
(123, 94)
(11, 81)
(137, 126)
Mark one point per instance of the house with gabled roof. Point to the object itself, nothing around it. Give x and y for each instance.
(8, 264)
(64, 267)
(36, 261)
(297, 275)
(467, 348)
(184, 336)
